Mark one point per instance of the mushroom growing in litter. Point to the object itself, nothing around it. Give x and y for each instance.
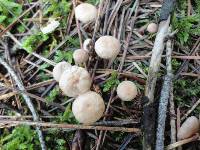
(51, 26)
(88, 107)
(75, 81)
(85, 12)
(59, 69)
(127, 90)
(80, 56)
(107, 47)
(87, 44)
(188, 128)
(152, 28)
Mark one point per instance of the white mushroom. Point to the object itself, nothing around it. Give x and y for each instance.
(87, 44)
(127, 90)
(59, 69)
(88, 107)
(107, 47)
(75, 81)
(85, 12)
(50, 27)
(188, 128)
(152, 28)
(80, 56)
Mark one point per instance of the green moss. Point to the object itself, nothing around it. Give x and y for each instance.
(31, 42)
(111, 82)
(21, 138)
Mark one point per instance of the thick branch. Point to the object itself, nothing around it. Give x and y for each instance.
(149, 112)
(163, 103)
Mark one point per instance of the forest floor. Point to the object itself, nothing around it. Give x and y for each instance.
(27, 58)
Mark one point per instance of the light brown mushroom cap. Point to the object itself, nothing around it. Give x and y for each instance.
(188, 128)
(86, 12)
(127, 90)
(88, 107)
(75, 81)
(80, 56)
(152, 28)
(107, 47)
(59, 69)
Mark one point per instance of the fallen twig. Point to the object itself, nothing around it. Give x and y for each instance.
(182, 142)
(172, 117)
(149, 109)
(70, 126)
(189, 111)
(164, 98)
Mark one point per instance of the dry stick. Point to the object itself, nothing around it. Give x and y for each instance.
(78, 25)
(164, 97)
(97, 20)
(156, 59)
(182, 142)
(117, 123)
(113, 14)
(27, 100)
(178, 123)
(149, 109)
(172, 117)
(192, 52)
(70, 126)
(136, 5)
(189, 111)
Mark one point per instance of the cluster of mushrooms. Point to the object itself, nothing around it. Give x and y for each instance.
(75, 81)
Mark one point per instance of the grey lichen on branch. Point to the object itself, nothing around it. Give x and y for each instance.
(164, 99)
(148, 141)
(27, 100)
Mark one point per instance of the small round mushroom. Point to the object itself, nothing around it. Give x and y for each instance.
(75, 81)
(152, 28)
(85, 12)
(50, 27)
(87, 44)
(88, 107)
(59, 69)
(188, 128)
(127, 90)
(107, 47)
(80, 56)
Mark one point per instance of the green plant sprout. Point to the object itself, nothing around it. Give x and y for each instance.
(111, 82)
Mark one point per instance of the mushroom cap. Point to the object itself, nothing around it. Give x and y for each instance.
(86, 44)
(75, 81)
(85, 12)
(152, 28)
(88, 107)
(80, 56)
(59, 69)
(107, 47)
(188, 128)
(50, 27)
(127, 90)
